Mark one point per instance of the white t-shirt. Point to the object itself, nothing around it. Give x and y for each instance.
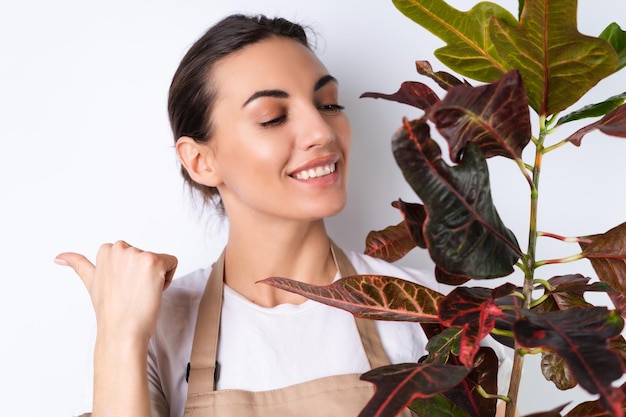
(265, 348)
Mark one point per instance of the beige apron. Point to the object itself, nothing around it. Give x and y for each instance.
(336, 396)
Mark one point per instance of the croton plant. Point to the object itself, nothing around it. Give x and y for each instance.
(513, 69)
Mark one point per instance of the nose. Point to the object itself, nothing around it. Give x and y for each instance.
(315, 129)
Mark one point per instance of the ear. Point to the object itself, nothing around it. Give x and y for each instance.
(197, 159)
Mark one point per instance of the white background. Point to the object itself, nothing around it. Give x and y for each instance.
(86, 157)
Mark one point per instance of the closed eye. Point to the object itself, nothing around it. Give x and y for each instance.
(274, 122)
(331, 108)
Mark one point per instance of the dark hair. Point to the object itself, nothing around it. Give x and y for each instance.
(192, 94)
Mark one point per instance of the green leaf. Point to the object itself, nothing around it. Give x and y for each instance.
(580, 336)
(374, 297)
(463, 231)
(441, 346)
(437, 406)
(575, 62)
(398, 385)
(494, 116)
(469, 50)
(607, 254)
(594, 110)
(616, 37)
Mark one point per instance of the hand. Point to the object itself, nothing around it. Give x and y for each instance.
(125, 286)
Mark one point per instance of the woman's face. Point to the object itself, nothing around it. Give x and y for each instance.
(280, 140)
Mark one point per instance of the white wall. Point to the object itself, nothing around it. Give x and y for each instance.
(86, 157)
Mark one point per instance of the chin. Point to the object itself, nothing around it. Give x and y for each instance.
(330, 210)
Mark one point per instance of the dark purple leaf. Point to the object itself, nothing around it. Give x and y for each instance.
(414, 218)
(398, 385)
(607, 254)
(412, 93)
(568, 291)
(581, 337)
(444, 277)
(494, 116)
(463, 231)
(594, 408)
(556, 412)
(485, 374)
(613, 124)
(443, 79)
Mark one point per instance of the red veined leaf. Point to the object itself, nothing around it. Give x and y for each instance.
(412, 93)
(398, 385)
(556, 412)
(613, 124)
(594, 408)
(370, 296)
(391, 243)
(443, 79)
(580, 336)
(474, 310)
(607, 254)
(494, 116)
(463, 231)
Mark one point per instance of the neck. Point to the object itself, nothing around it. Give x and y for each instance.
(297, 250)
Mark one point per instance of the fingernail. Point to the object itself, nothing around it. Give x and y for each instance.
(60, 261)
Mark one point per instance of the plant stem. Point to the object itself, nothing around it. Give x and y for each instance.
(528, 266)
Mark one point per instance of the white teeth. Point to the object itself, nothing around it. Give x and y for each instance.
(315, 173)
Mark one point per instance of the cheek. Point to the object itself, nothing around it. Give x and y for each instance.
(344, 133)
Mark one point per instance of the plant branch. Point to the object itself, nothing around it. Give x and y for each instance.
(563, 238)
(529, 265)
(572, 258)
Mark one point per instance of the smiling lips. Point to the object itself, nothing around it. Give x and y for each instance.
(315, 172)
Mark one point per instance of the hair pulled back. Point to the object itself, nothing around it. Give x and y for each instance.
(192, 93)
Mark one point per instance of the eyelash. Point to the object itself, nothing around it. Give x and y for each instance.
(329, 108)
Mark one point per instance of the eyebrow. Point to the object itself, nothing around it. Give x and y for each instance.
(283, 94)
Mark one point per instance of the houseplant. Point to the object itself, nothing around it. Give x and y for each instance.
(536, 65)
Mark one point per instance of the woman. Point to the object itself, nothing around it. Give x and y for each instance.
(260, 132)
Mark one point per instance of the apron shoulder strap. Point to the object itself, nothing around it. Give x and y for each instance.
(367, 328)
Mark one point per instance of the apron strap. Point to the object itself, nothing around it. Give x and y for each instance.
(202, 369)
(370, 339)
